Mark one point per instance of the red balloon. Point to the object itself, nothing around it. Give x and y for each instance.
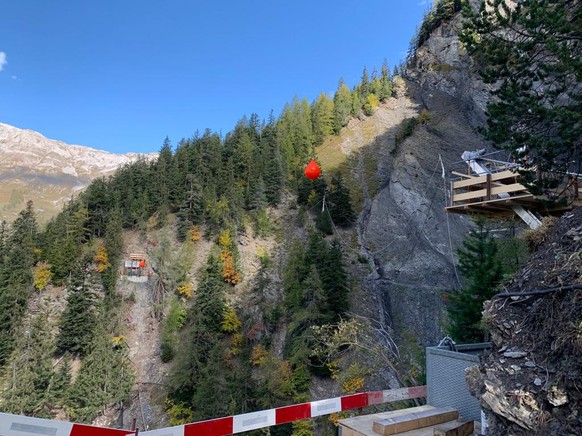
(312, 170)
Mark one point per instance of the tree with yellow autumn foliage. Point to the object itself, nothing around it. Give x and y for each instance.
(101, 258)
(42, 275)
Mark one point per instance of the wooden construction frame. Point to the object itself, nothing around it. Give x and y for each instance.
(497, 194)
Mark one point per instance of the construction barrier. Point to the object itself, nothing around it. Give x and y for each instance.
(16, 425)
(282, 415)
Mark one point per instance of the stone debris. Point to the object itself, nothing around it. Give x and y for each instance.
(541, 394)
(515, 354)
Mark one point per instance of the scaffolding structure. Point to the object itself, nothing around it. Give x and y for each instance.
(491, 187)
(135, 265)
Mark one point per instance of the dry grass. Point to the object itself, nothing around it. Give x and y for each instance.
(534, 237)
(330, 153)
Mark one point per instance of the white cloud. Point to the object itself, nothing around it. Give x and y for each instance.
(14, 77)
(3, 60)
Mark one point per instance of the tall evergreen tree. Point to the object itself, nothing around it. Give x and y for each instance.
(105, 378)
(335, 281)
(356, 104)
(78, 320)
(203, 337)
(339, 203)
(114, 249)
(29, 384)
(532, 51)
(162, 187)
(273, 170)
(385, 91)
(16, 281)
(342, 106)
(364, 86)
(322, 118)
(192, 209)
(482, 271)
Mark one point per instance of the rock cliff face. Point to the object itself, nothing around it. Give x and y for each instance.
(47, 171)
(404, 228)
(442, 64)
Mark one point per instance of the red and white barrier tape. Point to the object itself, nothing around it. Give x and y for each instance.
(25, 425)
(283, 415)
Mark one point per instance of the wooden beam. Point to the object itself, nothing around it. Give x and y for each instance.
(475, 180)
(455, 428)
(502, 175)
(527, 200)
(495, 190)
(456, 173)
(469, 182)
(412, 421)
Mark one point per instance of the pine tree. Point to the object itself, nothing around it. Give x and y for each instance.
(273, 169)
(28, 387)
(356, 104)
(364, 86)
(339, 203)
(78, 320)
(342, 107)
(97, 201)
(480, 266)
(209, 303)
(385, 91)
(323, 115)
(105, 378)
(192, 209)
(531, 50)
(335, 281)
(16, 278)
(162, 187)
(114, 249)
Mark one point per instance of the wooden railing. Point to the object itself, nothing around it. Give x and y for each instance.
(475, 189)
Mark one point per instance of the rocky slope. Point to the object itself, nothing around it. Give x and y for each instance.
(403, 228)
(530, 382)
(47, 171)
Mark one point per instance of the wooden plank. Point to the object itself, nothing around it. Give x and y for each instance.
(415, 420)
(364, 424)
(475, 180)
(502, 175)
(456, 173)
(460, 427)
(526, 199)
(469, 182)
(481, 193)
(503, 189)
(495, 190)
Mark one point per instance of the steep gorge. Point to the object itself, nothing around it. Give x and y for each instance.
(403, 235)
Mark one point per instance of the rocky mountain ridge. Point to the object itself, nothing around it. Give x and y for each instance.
(48, 171)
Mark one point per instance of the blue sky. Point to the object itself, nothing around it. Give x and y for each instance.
(120, 75)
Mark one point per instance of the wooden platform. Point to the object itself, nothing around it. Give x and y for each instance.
(497, 194)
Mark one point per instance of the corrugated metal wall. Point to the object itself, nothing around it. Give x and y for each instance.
(446, 387)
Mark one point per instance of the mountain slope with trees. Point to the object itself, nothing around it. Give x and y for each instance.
(262, 287)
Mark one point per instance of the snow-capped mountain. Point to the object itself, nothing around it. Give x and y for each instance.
(47, 171)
